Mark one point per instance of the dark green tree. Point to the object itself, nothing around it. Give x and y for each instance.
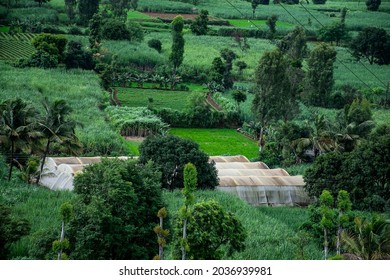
(372, 43)
(271, 23)
(115, 29)
(66, 212)
(373, 5)
(294, 45)
(199, 25)
(177, 53)
(228, 56)
(171, 153)
(76, 57)
(95, 31)
(40, 2)
(18, 128)
(319, 77)
(87, 8)
(134, 4)
(115, 212)
(239, 96)
(213, 232)
(70, 8)
(344, 206)
(11, 230)
(326, 205)
(319, 2)
(120, 7)
(52, 44)
(155, 44)
(335, 32)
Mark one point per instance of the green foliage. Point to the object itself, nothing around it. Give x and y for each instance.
(371, 239)
(11, 230)
(177, 52)
(294, 45)
(76, 57)
(319, 2)
(171, 153)
(95, 31)
(86, 9)
(117, 206)
(271, 23)
(66, 212)
(372, 43)
(52, 44)
(190, 183)
(119, 7)
(319, 78)
(115, 29)
(135, 121)
(335, 32)
(373, 5)
(363, 173)
(212, 232)
(273, 98)
(199, 25)
(155, 44)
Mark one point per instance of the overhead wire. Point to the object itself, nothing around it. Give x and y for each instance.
(341, 62)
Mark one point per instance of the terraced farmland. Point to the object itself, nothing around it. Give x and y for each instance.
(16, 46)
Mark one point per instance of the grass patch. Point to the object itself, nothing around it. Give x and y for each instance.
(4, 28)
(247, 23)
(137, 15)
(135, 97)
(219, 142)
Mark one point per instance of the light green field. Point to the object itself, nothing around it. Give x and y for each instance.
(135, 97)
(219, 142)
(248, 23)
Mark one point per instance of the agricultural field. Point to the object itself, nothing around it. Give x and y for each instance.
(135, 97)
(269, 85)
(219, 142)
(13, 47)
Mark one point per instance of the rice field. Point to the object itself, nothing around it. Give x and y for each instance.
(219, 142)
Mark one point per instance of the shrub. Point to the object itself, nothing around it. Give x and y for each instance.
(319, 2)
(155, 44)
(76, 57)
(114, 29)
(373, 5)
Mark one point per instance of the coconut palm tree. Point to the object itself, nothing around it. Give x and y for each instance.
(18, 127)
(371, 240)
(56, 127)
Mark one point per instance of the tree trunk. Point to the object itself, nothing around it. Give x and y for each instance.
(61, 240)
(160, 247)
(43, 159)
(183, 248)
(12, 160)
(325, 244)
(261, 140)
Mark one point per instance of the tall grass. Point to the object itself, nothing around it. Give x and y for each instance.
(272, 232)
(79, 88)
(38, 205)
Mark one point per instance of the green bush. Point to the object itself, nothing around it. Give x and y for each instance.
(373, 5)
(155, 44)
(114, 29)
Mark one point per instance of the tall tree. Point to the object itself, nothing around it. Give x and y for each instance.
(344, 206)
(273, 98)
(18, 127)
(372, 43)
(326, 205)
(95, 31)
(56, 126)
(319, 77)
(199, 25)
(70, 6)
(190, 184)
(120, 7)
(271, 23)
(40, 2)
(134, 4)
(177, 53)
(373, 5)
(87, 8)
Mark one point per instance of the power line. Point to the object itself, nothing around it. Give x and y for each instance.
(346, 49)
(342, 63)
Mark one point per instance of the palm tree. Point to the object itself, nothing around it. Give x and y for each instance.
(56, 127)
(18, 127)
(371, 241)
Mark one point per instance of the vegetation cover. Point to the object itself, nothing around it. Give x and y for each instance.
(299, 86)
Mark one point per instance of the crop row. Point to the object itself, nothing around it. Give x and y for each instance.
(18, 36)
(10, 50)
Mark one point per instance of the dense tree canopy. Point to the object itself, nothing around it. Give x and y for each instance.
(115, 212)
(171, 153)
(372, 43)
